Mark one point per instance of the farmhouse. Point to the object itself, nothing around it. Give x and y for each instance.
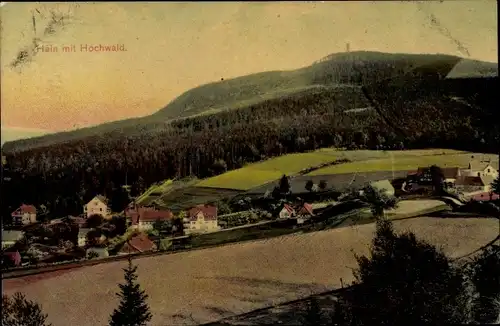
(97, 206)
(304, 211)
(480, 168)
(10, 237)
(286, 212)
(201, 218)
(25, 214)
(138, 243)
(143, 218)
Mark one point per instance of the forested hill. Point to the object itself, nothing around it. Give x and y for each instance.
(353, 68)
(415, 109)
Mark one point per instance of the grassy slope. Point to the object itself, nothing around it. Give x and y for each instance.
(257, 174)
(336, 69)
(236, 278)
(403, 163)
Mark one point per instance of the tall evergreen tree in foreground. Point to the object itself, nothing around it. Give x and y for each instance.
(18, 311)
(133, 309)
(405, 282)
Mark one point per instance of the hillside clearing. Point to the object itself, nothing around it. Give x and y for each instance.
(213, 283)
(402, 163)
(257, 174)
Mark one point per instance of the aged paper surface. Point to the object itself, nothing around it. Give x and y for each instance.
(151, 128)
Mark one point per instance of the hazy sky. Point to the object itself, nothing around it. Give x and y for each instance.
(172, 47)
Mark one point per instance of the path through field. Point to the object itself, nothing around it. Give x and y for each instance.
(214, 283)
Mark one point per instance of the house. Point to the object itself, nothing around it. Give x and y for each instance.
(143, 218)
(10, 237)
(202, 218)
(474, 184)
(480, 168)
(286, 212)
(137, 244)
(384, 186)
(13, 257)
(304, 211)
(100, 251)
(25, 214)
(98, 205)
(82, 236)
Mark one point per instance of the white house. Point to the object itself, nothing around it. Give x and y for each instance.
(25, 214)
(98, 205)
(200, 219)
(480, 168)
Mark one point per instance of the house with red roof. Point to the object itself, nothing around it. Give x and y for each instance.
(303, 212)
(143, 217)
(25, 214)
(137, 244)
(200, 219)
(287, 211)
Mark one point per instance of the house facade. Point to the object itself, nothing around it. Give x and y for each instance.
(97, 206)
(25, 214)
(144, 218)
(201, 219)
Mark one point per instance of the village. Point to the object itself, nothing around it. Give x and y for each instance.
(98, 232)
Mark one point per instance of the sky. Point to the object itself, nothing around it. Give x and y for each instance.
(173, 47)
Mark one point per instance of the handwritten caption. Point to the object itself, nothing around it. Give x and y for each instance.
(83, 47)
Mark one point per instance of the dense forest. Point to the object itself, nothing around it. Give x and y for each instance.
(64, 176)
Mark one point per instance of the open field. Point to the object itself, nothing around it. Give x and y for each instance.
(405, 163)
(257, 174)
(213, 283)
(338, 182)
(185, 198)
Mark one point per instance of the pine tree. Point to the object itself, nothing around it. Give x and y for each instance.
(17, 310)
(133, 309)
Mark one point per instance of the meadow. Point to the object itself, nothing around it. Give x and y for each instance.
(257, 174)
(206, 285)
(405, 162)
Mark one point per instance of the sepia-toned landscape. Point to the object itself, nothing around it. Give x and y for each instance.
(315, 163)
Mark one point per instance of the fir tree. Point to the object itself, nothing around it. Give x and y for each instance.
(17, 310)
(133, 309)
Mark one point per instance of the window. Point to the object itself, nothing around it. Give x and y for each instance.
(100, 209)
(479, 174)
(488, 170)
